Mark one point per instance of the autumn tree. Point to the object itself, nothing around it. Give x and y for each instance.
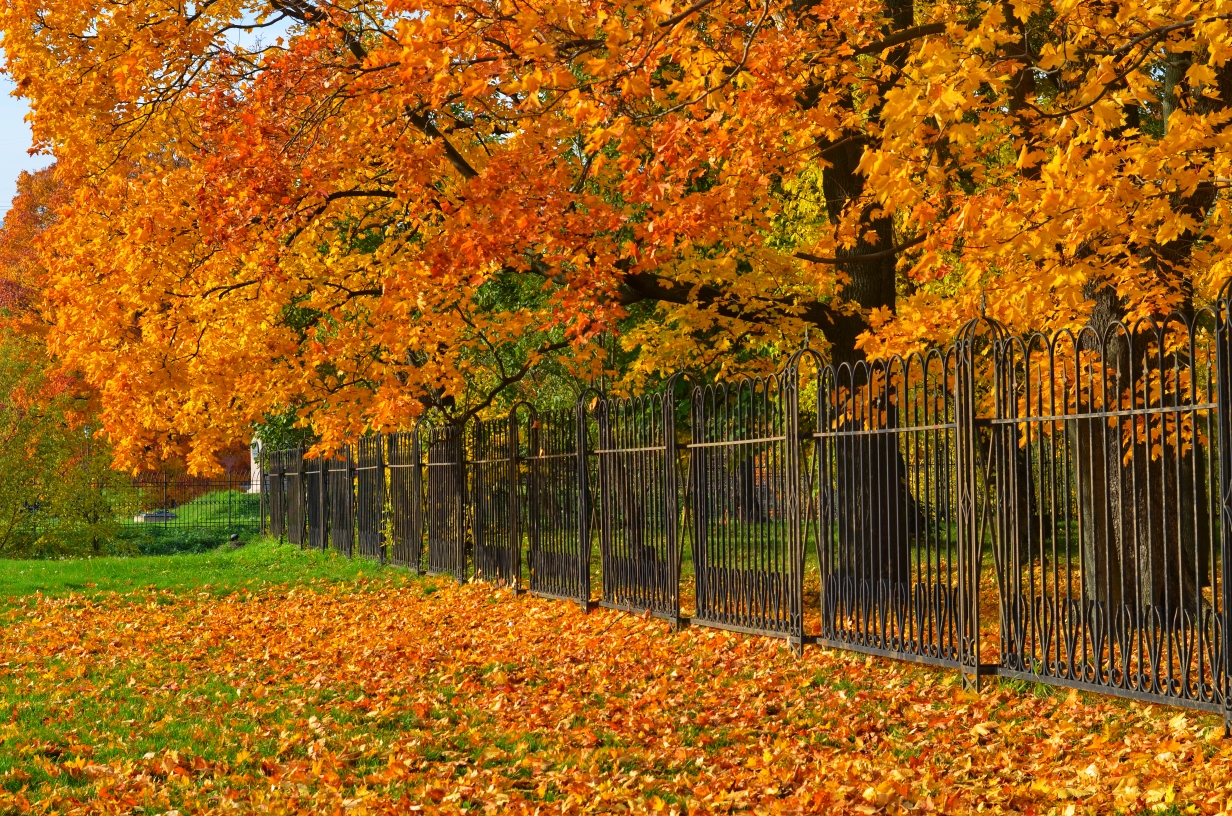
(428, 203)
(53, 496)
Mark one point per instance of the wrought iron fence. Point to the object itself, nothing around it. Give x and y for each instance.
(639, 503)
(1076, 487)
(555, 490)
(370, 497)
(886, 511)
(316, 502)
(447, 522)
(748, 551)
(340, 492)
(406, 500)
(167, 501)
(494, 492)
(1109, 549)
(295, 486)
(274, 483)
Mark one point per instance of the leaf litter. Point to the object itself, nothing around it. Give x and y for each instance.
(376, 698)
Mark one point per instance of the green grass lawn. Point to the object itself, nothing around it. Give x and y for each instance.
(261, 563)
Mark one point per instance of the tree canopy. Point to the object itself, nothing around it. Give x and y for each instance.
(379, 208)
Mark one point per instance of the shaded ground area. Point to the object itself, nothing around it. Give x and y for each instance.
(274, 680)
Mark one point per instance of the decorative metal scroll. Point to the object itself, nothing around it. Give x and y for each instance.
(894, 545)
(553, 502)
(494, 495)
(446, 502)
(1110, 549)
(316, 490)
(370, 497)
(639, 541)
(297, 510)
(748, 553)
(406, 499)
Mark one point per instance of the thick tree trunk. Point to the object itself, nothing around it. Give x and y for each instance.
(873, 498)
(873, 507)
(1140, 495)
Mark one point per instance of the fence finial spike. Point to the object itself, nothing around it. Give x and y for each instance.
(983, 303)
(806, 336)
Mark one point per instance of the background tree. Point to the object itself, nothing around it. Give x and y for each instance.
(55, 498)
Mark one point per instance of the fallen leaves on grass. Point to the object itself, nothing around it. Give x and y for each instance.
(440, 698)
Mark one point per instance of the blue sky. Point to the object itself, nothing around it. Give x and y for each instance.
(15, 133)
(14, 142)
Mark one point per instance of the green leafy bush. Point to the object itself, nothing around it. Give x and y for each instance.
(57, 497)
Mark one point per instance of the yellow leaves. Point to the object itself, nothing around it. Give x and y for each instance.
(1108, 113)
(533, 704)
(1023, 9)
(1200, 74)
(1029, 158)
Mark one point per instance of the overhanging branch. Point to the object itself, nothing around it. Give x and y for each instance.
(838, 326)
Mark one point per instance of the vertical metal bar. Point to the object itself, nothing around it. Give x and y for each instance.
(968, 548)
(262, 467)
(381, 471)
(511, 509)
(1223, 356)
(582, 477)
(789, 388)
(671, 515)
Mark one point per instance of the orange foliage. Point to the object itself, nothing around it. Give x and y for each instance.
(23, 264)
(324, 222)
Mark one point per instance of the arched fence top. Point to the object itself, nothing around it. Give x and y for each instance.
(1148, 364)
(1093, 339)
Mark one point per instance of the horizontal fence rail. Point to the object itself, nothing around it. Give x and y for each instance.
(1075, 489)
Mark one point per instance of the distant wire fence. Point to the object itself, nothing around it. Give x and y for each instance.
(1047, 508)
(167, 501)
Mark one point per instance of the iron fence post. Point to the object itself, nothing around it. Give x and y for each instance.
(262, 467)
(515, 529)
(417, 497)
(1223, 358)
(969, 548)
(671, 497)
(465, 546)
(381, 540)
(795, 505)
(583, 501)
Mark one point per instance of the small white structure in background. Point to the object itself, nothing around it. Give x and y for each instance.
(254, 467)
(154, 516)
